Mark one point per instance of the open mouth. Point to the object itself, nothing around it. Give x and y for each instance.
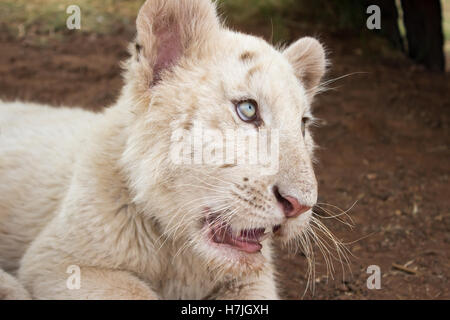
(247, 240)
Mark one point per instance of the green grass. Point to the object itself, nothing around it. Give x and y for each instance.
(446, 18)
(49, 16)
(259, 13)
(446, 30)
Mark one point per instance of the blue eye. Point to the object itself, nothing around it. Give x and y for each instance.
(246, 110)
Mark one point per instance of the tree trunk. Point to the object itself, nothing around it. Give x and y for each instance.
(423, 23)
(389, 22)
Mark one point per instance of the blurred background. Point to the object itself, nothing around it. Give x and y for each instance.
(383, 134)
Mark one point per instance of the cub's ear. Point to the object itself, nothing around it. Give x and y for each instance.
(307, 56)
(169, 29)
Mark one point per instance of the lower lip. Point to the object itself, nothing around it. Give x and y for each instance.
(237, 243)
(241, 244)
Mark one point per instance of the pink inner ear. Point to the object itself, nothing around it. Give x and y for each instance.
(169, 50)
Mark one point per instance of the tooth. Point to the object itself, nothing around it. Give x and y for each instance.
(264, 236)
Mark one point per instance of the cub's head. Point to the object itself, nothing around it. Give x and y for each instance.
(219, 152)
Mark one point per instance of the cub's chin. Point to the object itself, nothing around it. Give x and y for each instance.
(292, 229)
(243, 250)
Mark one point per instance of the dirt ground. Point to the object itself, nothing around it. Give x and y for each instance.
(384, 144)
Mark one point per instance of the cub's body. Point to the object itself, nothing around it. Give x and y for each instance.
(38, 148)
(43, 153)
(93, 206)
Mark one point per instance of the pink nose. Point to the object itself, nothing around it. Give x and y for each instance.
(291, 207)
(295, 209)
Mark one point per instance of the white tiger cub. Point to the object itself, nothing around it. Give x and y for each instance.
(100, 192)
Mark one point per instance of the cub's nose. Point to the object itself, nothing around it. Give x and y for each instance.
(291, 207)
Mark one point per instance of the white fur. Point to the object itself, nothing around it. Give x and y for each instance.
(99, 191)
